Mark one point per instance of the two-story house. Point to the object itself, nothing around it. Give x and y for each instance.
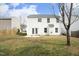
(43, 25)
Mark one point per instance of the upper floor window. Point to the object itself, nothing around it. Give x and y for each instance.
(39, 20)
(57, 20)
(48, 20)
(56, 30)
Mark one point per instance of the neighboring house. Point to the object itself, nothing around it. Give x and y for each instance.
(5, 23)
(43, 25)
(8, 25)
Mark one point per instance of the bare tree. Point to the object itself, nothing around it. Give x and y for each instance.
(66, 11)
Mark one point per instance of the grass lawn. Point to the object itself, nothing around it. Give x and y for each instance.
(39, 46)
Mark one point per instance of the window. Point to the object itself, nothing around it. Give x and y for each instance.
(32, 30)
(56, 30)
(39, 20)
(57, 20)
(48, 20)
(36, 30)
(45, 30)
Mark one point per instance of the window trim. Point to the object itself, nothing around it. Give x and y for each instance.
(56, 30)
(39, 20)
(57, 20)
(36, 30)
(32, 30)
(48, 20)
(45, 30)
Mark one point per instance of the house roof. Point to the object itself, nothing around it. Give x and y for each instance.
(41, 16)
(5, 18)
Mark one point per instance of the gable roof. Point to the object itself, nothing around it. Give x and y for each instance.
(42, 16)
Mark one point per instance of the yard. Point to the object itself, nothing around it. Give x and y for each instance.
(38, 46)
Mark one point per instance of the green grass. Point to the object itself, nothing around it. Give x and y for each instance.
(39, 46)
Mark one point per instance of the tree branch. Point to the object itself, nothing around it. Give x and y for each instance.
(70, 14)
(75, 20)
(55, 14)
(66, 14)
(63, 15)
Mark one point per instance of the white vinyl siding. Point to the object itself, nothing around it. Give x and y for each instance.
(33, 23)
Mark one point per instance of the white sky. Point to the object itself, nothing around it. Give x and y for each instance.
(4, 10)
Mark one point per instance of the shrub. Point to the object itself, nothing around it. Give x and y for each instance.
(21, 33)
(63, 34)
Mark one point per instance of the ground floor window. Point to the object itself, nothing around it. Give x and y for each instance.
(34, 30)
(56, 30)
(45, 30)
